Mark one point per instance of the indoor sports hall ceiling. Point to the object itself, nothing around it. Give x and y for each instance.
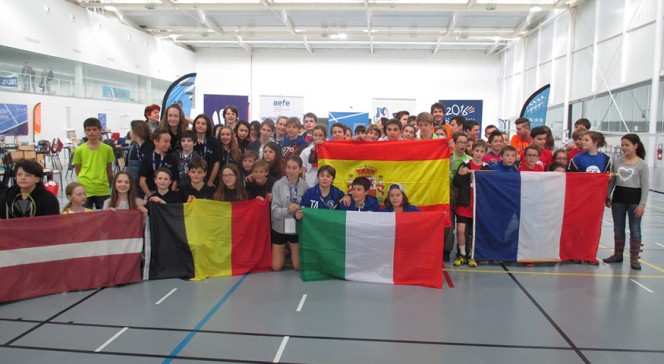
(434, 25)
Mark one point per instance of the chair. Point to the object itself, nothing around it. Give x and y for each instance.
(30, 155)
(16, 156)
(120, 164)
(56, 148)
(70, 167)
(26, 147)
(44, 146)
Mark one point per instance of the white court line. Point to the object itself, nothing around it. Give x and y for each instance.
(660, 245)
(299, 307)
(281, 349)
(642, 286)
(111, 340)
(606, 222)
(166, 296)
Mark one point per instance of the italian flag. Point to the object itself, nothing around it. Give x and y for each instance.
(207, 238)
(378, 247)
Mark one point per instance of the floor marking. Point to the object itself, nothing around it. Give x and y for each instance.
(660, 245)
(166, 296)
(651, 265)
(642, 286)
(281, 349)
(606, 222)
(564, 274)
(204, 320)
(299, 307)
(111, 339)
(547, 317)
(53, 317)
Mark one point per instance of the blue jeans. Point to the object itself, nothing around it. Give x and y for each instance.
(619, 210)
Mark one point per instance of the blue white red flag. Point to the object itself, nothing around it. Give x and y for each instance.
(535, 216)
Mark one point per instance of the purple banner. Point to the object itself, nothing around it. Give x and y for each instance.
(213, 106)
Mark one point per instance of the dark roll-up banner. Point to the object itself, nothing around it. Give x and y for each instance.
(181, 92)
(536, 106)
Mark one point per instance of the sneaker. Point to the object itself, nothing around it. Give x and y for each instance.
(472, 263)
(636, 265)
(592, 262)
(461, 260)
(613, 259)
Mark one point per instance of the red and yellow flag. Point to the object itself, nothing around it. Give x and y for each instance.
(420, 166)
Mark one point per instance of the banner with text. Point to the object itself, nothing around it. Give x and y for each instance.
(536, 106)
(274, 106)
(469, 109)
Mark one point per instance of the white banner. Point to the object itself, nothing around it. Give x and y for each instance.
(388, 107)
(274, 106)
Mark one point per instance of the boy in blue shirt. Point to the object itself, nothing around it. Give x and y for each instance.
(361, 201)
(508, 158)
(325, 195)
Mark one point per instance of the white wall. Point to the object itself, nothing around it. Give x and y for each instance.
(89, 38)
(61, 113)
(612, 48)
(347, 80)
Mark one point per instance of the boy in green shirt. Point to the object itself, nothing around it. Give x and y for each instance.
(92, 162)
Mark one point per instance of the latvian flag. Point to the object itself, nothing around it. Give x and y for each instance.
(535, 216)
(208, 239)
(379, 247)
(52, 254)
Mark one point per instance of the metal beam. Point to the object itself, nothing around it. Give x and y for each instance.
(242, 44)
(369, 28)
(306, 44)
(386, 6)
(453, 22)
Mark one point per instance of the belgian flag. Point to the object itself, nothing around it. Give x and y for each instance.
(208, 239)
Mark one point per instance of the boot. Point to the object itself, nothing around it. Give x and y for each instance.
(634, 250)
(619, 247)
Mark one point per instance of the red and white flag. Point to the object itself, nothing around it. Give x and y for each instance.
(52, 254)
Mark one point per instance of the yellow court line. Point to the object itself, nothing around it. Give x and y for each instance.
(556, 273)
(642, 261)
(651, 265)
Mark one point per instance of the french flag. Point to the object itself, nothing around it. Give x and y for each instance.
(538, 216)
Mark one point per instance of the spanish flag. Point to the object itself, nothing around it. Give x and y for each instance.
(420, 166)
(207, 238)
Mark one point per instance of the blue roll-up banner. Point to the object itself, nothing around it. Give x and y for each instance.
(351, 119)
(181, 92)
(13, 119)
(536, 106)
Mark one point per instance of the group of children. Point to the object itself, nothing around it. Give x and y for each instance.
(279, 163)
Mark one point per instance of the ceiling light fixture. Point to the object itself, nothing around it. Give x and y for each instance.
(535, 9)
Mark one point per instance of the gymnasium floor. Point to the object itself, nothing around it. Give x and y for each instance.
(559, 313)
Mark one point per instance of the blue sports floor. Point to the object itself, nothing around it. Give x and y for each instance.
(557, 313)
